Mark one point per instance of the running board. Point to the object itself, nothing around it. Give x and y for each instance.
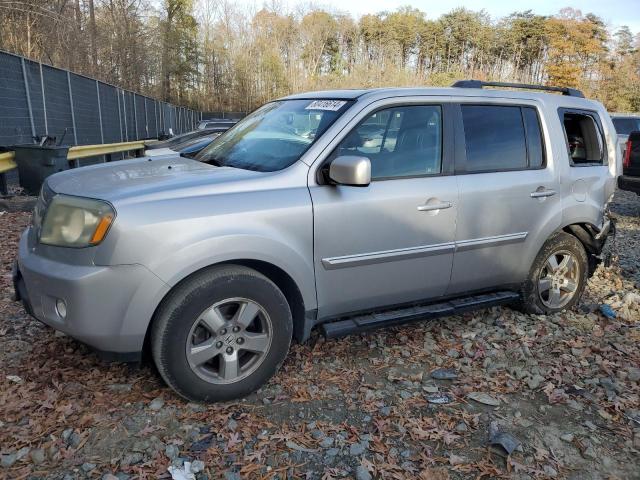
(388, 318)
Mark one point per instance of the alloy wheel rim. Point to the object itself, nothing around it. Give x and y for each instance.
(558, 280)
(229, 340)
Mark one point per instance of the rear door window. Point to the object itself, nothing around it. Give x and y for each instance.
(535, 145)
(494, 137)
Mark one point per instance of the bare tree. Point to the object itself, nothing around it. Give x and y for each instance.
(219, 55)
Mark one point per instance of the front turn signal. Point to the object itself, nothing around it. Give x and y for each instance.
(101, 229)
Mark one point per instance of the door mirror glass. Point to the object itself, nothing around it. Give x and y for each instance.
(351, 170)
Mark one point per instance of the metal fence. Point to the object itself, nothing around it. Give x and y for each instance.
(223, 115)
(37, 99)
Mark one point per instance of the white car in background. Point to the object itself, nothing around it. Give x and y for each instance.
(625, 123)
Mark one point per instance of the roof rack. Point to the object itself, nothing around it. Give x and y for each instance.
(571, 92)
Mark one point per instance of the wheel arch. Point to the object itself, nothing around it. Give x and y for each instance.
(586, 233)
(530, 295)
(289, 288)
(283, 280)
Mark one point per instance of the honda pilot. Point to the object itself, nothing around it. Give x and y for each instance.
(342, 211)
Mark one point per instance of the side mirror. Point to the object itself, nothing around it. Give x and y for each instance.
(351, 170)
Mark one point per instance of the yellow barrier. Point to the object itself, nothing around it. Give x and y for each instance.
(6, 161)
(81, 151)
(85, 151)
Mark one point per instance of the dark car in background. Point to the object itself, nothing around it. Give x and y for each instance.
(188, 144)
(173, 141)
(189, 147)
(630, 178)
(199, 132)
(216, 123)
(193, 147)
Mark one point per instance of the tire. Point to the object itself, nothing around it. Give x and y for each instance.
(205, 316)
(536, 298)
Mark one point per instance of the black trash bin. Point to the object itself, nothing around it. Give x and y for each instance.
(35, 163)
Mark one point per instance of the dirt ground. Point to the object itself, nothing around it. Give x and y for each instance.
(563, 391)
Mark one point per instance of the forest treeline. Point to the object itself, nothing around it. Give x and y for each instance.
(217, 55)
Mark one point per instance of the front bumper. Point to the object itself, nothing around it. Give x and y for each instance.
(107, 307)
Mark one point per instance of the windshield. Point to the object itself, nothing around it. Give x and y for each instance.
(624, 126)
(275, 136)
(197, 140)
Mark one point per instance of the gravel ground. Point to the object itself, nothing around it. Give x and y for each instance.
(560, 392)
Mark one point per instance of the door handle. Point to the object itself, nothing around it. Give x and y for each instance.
(543, 193)
(434, 206)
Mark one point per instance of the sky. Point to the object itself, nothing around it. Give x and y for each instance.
(614, 12)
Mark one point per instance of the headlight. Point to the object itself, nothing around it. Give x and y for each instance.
(76, 222)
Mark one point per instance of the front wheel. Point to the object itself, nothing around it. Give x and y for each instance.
(221, 334)
(557, 277)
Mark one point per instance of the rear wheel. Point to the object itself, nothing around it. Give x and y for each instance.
(558, 276)
(221, 334)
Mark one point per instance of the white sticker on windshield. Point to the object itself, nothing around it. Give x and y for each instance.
(332, 105)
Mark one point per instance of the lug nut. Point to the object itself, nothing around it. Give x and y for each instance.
(218, 344)
(236, 329)
(229, 350)
(240, 340)
(223, 331)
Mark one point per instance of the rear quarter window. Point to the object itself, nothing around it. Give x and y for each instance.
(584, 139)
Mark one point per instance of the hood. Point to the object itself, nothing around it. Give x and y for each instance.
(143, 176)
(159, 152)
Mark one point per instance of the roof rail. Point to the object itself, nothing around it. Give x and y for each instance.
(571, 92)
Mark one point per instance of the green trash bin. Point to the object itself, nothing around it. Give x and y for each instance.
(35, 163)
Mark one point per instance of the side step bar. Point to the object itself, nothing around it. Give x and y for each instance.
(371, 321)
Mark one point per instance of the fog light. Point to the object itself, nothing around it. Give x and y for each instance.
(61, 308)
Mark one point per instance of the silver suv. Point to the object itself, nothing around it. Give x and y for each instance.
(344, 210)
